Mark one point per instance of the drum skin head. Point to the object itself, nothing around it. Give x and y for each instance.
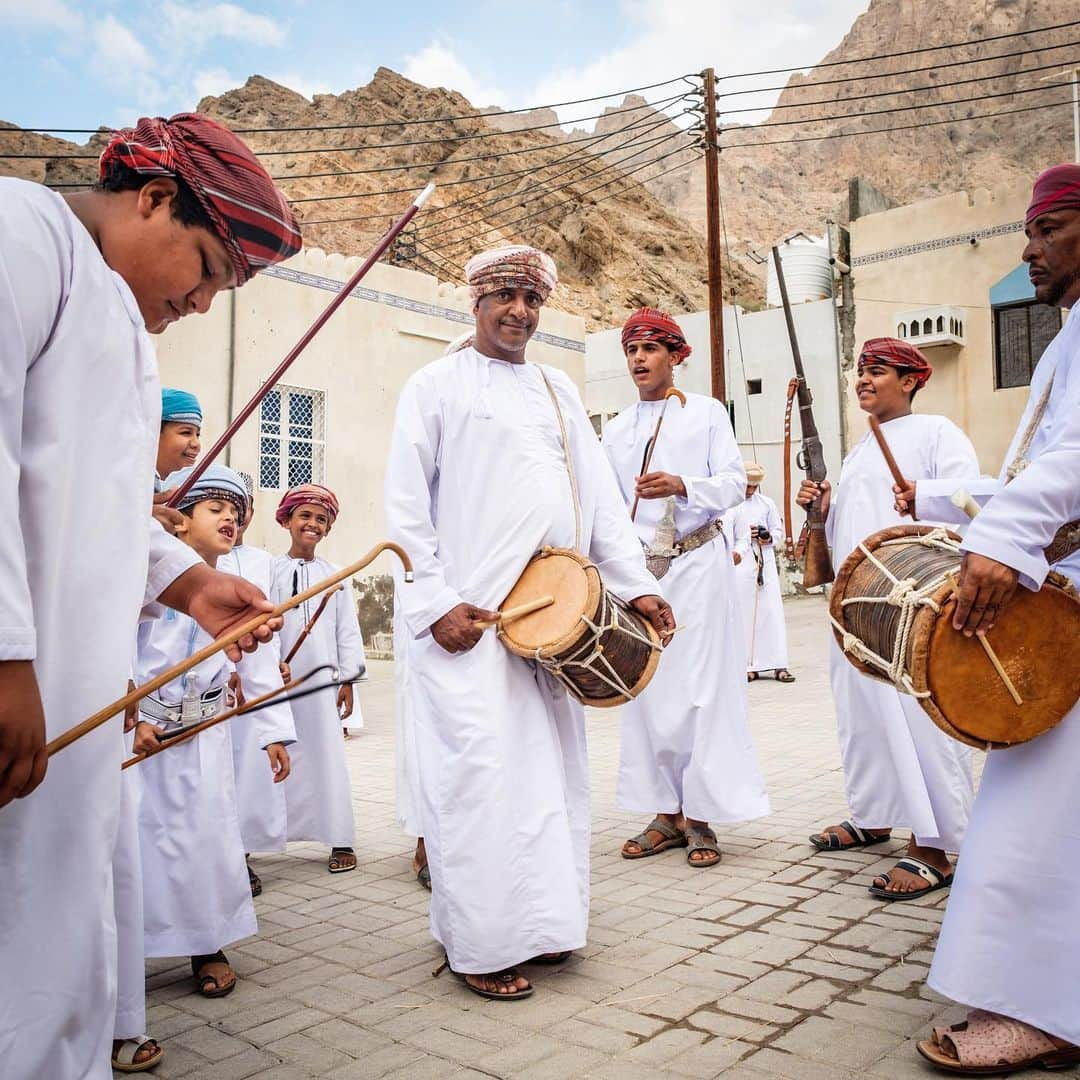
(1035, 640)
(575, 584)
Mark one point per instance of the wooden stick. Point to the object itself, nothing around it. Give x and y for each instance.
(311, 623)
(668, 394)
(223, 642)
(195, 729)
(887, 454)
(989, 650)
(515, 612)
(962, 500)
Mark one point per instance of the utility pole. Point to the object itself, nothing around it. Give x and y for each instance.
(712, 236)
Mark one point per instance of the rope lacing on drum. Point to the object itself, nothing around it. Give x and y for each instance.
(908, 599)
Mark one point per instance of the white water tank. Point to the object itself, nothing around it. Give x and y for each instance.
(807, 272)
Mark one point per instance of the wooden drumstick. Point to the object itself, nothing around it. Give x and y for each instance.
(887, 454)
(962, 500)
(515, 612)
(668, 394)
(989, 650)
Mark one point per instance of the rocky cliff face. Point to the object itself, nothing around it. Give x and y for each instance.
(639, 240)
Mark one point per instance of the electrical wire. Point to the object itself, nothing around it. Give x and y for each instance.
(738, 329)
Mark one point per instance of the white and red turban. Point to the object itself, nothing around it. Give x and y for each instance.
(515, 267)
(894, 353)
(1056, 188)
(250, 215)
(304, 495)
(649, 324)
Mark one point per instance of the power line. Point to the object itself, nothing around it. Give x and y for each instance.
(390, 123)
(904, 90)
(898, 127)
(905, 52)
(899, 108)
(469, 137)
(896, 74)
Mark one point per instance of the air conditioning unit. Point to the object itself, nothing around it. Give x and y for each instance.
(929, 326)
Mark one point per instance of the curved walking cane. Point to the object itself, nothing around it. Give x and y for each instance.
(668, 395)
(233, 636)
(304, 634)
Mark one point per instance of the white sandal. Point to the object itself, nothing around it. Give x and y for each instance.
(124, 1058)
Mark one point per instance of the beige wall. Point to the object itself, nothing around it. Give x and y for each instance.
(944, 267)
(361, 359)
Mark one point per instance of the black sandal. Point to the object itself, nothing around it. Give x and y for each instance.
(423, 875)
(337, 865)
(215, 989)
(254, 881)
(933, 877)
(783, 675)
(859, 838)
(551, 959)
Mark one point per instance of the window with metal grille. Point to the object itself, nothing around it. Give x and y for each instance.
(292, 437)
(1021, 334)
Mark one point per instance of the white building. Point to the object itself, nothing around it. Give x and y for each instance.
(758, 368)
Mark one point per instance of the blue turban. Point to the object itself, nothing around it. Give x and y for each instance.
(218, 482)
(179, 407)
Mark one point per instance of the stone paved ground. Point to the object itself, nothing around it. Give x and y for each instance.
(775, 964)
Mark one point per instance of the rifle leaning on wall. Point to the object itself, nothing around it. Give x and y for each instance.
(817, 565)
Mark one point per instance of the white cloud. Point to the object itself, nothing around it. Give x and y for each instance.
(213, 81)
(48, 14)
(436, 65)
(668, 38)
(198, 25)
(117, 49)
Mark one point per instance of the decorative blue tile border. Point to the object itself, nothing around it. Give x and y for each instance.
(938, 244)
(317, 281)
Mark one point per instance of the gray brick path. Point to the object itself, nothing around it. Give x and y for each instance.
(777, 963)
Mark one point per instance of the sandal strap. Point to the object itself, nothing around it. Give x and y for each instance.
(126, 1054)
(198, 962)
(664, 828)
(987, 1039)
(930, 874)
(701, 840)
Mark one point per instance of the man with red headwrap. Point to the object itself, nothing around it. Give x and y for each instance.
(1009, 946)
(687, 756)
(182, 210)
(900, 770)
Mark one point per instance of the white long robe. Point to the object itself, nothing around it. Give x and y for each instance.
(1009, 942)
(686, 741)
(475, 485)
(75, 552)
(128, 905)
(260, 802)
(318, 795)
(196, 896)
(900, 769)
(762, 605)
(406, 768)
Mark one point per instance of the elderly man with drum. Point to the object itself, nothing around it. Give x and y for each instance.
(492, 459)
(1009, 945)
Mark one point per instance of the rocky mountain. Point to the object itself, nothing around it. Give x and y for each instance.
(621, 233)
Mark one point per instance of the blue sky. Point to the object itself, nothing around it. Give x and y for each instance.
(108, 61)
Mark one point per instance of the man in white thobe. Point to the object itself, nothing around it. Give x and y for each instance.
(758, 582)
(477, 482)
(686, 756)
(79, 555)
(900, 769)
(1009, 946)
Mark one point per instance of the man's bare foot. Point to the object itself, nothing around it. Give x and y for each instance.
(420, 864)
(500, 983)
(658, 839)
(214, 973)
(147, 1051)
(700, 855)
(904, 881)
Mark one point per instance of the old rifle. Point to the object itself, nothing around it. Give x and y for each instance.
(817, 567)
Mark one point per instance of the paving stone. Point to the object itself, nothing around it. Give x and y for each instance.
(837, 1042)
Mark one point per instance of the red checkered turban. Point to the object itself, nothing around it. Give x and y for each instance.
(894, 353)
(648, 324)
(305, 494)
(513, 267)
(249, 214)
(1057, 188)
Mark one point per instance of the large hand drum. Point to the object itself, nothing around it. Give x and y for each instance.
(892, 608)
(602, 651)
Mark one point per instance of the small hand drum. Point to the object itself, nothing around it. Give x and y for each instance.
(602, 651)
(892, 608)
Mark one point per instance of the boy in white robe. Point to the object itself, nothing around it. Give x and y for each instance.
(758, 583)
(196, 896)
(83, 279)
(1009, 946)
(476, 483)
(687, 756)
(260, 797)
(318, 800)
(900, 769)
